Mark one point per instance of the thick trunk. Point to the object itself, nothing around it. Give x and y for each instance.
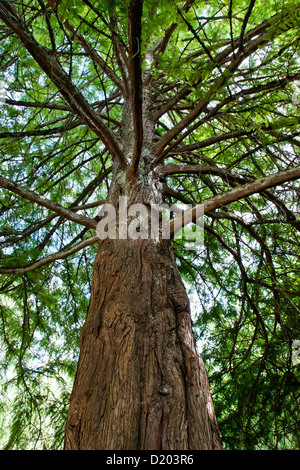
(140, 383)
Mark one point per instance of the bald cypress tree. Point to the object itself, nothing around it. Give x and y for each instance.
(158, 102)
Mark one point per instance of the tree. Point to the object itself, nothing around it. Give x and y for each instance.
(159, 102)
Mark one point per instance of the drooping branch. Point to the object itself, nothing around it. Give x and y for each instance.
(261, 35)
(213, 112)
(61, 80)
(51, 258)
(265, 252)
(235, 194)
(176, 169)
(95, 56)
(44, 202)
(40, 132)
(160, 153)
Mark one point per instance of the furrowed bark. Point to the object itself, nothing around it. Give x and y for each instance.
(140, 383)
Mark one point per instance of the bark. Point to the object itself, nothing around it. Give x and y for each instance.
(135, 68)
(140, 382)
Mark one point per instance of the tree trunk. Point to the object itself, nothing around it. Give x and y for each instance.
(140, 383)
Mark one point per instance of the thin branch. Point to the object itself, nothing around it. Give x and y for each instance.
(92, 185)
(235, 134)
(34, 104)
(61, 80)
(161, 46)
(172, 102)
(231, 29)
(235, 194)
(273, 84)
(135, 68)
(51, 258)
(175, 169)
(244, 25)
(219, 59)
(95, 56)
(48, 23)
(44, 202)
(196, 36)
(41, 132)
(184, 123)
(109, 25)
(121, 57)
(261, 34)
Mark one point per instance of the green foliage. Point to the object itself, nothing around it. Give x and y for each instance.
(248, 353)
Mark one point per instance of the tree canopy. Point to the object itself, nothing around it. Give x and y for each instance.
(220, 80)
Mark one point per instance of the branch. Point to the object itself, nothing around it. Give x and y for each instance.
(160, 47)
(34, 104)
(235, 194)
(244, 25)
(44, 202)
(264, 36)
(220, 58)
(175, 131)
(280, 83)
(95, 56)
(135, 35)
(121, 56)
(217, 138)
(92, 185)
(49, 259)
(172, 102)
(196, 36)
(41, 132)
(175, 169)
(61, 80)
